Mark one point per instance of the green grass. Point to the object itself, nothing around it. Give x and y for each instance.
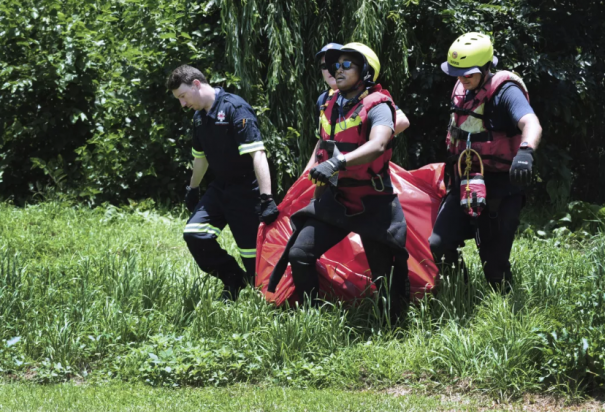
(112, 293)
(122, 397)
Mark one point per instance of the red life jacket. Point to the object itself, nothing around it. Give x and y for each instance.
(322, 108)
(497, 148)
(348, 134)
(329, 95)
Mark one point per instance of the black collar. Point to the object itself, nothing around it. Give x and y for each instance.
(218, 96)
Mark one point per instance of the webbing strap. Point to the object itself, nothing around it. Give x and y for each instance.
(357, 111)
(497, 159)
(342, 146)
(333, 120)
(328, 145)
(453, 160)
(459, 134)
(350, 182)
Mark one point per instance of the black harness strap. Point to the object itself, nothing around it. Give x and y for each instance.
(333, 121)
(349, 182)
(326, 101)
(459, 134)
(497, 159)
(356, 112)
(328, 145)
(467, 112)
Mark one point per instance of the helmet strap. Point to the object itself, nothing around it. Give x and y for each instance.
(485, 70)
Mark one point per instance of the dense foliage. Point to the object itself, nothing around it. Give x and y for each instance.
(83, 106)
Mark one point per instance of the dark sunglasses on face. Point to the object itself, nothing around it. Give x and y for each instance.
(468, 76)
(346, 65)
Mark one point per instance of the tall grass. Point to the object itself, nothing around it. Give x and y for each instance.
(113, 293)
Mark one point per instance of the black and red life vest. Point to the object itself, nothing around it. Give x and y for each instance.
(348, 132)
(497, 148)
(328, 95)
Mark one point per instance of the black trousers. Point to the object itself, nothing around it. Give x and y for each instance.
(496, 233)
(226, 203)
(314, 240)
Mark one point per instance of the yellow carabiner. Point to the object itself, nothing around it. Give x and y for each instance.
(381, 183)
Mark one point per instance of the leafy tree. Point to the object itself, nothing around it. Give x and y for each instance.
(84, 107)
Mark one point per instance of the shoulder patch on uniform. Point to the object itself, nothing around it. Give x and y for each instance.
(221, 116)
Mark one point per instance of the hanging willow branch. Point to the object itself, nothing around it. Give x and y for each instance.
(240, 22)
(271, 46)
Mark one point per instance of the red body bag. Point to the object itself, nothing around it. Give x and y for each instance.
(343, 270)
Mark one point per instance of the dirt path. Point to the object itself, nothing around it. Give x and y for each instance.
(530, 402)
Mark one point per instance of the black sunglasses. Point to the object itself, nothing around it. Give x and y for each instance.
(346, 65)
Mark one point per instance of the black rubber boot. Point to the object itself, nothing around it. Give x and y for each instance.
(306, 280)
(398, 292)
(233, 278)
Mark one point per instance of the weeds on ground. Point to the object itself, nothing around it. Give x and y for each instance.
(113, 293)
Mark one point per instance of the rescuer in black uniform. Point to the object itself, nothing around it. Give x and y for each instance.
(226, 139)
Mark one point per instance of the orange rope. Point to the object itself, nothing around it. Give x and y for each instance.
(467, 172)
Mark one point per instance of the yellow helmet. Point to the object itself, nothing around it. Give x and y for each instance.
(371, 64)
(468, 53)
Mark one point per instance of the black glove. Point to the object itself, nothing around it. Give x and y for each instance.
(520, 170)
(192, 198)
(268, 210)
(323, 172)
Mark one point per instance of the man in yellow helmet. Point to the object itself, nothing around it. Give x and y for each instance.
(354, 191)
(490, 113)
(401, 122)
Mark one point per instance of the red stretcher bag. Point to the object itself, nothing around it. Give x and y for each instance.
(344, 271)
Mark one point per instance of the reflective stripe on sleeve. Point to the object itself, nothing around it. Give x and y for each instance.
(198, 155)
(202, 228)
(247, 253)
(251, 147)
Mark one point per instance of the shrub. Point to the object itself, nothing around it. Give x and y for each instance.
(84, 107)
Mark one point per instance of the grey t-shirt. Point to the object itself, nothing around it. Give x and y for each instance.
(503, 113)
(379, 115)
